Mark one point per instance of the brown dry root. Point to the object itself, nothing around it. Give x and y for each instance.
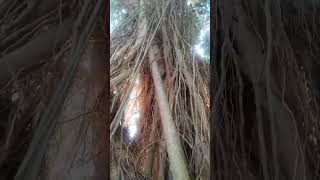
(185, 81)
(263, 131)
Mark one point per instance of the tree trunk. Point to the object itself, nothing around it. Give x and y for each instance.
(250, 35)
(81, 131)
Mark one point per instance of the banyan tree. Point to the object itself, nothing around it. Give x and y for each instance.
(53, 69)
(157, 114)
(159, 91)
(265, 100)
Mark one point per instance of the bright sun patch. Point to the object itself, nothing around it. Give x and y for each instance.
(132, 111)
